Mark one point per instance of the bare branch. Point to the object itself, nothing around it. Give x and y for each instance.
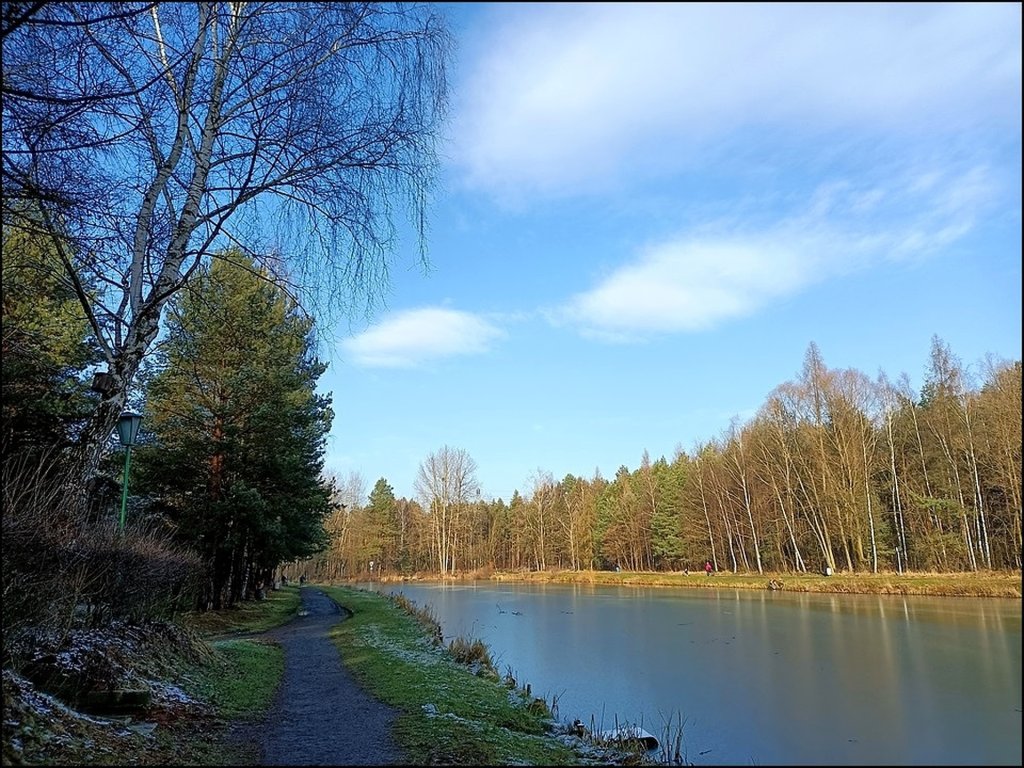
(159, 134)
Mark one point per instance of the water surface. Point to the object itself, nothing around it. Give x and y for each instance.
(761, 677)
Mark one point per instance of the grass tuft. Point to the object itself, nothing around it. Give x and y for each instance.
(475, 654)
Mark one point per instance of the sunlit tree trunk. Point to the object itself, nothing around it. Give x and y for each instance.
(770, 454)
(889, 398)
(701, 464)
(979, 498)
(738, 461)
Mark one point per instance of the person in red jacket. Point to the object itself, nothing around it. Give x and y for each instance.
(707, 567)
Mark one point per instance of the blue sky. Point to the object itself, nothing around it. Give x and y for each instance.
(648, 212)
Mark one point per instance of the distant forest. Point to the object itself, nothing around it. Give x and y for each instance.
(835, 470)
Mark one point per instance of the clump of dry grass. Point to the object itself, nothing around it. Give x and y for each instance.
(481, 574)
(474, 653)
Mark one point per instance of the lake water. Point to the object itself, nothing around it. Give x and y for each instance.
(761, 677)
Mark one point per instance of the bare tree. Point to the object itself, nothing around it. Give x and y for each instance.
(890, 403)
(738, 464)
(1000, 419)
(446, 483)
(543, 493)
(154, 135)
(579, 501)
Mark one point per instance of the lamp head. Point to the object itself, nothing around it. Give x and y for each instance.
(128, 426)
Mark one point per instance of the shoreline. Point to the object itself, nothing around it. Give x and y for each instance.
(980, 584)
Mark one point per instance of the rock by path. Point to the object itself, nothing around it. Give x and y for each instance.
(321, 716)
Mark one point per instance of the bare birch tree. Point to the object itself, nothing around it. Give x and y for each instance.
(153, 135)
(1000, 419)
(543, 493)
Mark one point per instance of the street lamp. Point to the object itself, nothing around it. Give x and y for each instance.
(127, 429)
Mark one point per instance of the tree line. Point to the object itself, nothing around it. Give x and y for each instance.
(836, 470)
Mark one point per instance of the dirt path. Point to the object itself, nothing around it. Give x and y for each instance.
(321, 716)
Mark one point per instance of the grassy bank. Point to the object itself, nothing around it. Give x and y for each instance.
(240, 679)
(451, 713)
(981, 584)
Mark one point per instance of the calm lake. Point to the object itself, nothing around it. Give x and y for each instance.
(761, 677)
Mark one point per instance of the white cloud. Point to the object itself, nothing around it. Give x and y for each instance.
(694, 282)
(410, 338)
(569, 97)
(690, 285)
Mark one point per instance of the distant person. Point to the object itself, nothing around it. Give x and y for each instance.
(302, 579)
(707, 567)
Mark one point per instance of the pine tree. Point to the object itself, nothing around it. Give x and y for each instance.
(666, 538)
(47, 346)
(382, 519)
(239, 429)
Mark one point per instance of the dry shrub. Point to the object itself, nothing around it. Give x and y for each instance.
(35, 513)
(135, 575)
(484, 573)
(61, 570)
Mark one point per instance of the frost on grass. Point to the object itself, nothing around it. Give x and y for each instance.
(423, 652)
(40, 722)
(431, 710)
(170, 695)
(38, 728)
(518, 698)
(119, 655)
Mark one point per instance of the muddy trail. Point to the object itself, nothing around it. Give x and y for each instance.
(321, 716)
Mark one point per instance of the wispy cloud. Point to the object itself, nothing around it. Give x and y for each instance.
(416, 336)
(695, 282)
(569, 97)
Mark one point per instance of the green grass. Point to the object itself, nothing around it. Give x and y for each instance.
(448, 714)
(279, 607)
(241, 680)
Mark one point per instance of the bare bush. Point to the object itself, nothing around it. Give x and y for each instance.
(36, 514)
(62, 571)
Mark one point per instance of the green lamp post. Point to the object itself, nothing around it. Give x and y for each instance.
(127, 429)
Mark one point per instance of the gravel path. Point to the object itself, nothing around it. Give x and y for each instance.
(321, 716)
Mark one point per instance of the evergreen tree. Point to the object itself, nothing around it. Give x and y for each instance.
(239, 428)
(666, 522)
(46, 346)
(382, 518)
